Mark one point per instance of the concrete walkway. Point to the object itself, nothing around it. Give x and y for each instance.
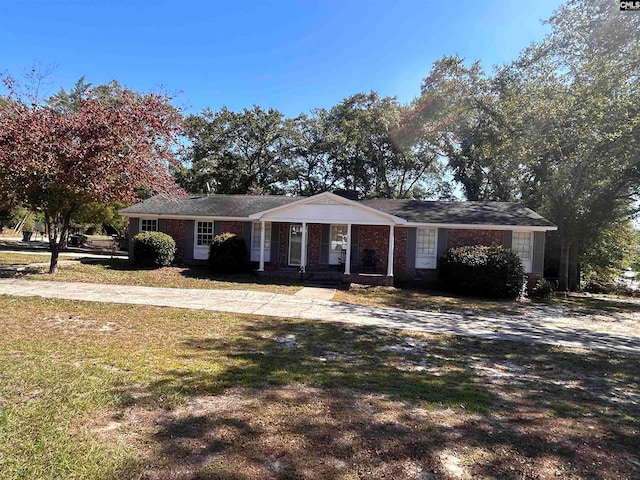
(537, 328)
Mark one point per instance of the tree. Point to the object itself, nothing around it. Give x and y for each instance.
(54, 159)
(235, 152)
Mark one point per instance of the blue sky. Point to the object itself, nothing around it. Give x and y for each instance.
(289, 55)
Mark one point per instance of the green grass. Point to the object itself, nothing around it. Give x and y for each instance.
(122, 272)
(102, 391)
(10, 258)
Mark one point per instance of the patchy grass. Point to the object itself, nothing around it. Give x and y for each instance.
(10, 258)
(423, 300)
(599, 304)
(122, 272)
(102, 391)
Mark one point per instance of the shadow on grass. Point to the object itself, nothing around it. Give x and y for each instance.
(310, 400)
(596, 305)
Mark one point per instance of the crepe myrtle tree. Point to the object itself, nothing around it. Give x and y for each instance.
(104, 149)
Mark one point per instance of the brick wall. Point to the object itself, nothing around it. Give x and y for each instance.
(231, 227)
(315, 238)
(400, 252)
(461, 238)
(176, 230)
(375, 238)
(284, 244)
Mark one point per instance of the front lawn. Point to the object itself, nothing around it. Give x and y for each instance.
(122, 272)
(102, 391)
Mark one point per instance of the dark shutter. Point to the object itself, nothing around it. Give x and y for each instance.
(246, 233)
(275, 239)
(412, 233)
(538, 252)
(162, 225)
(134, 227)
(324, 244)
(442, 243)
(355, 242)
(217, 228)
(189, 229)
(507, 239)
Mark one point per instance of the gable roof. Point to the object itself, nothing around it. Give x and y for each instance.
(398, 211)
(463, 213)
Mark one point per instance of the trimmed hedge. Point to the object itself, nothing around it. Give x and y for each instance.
(153, 249)
(482, 271)
(228, 254)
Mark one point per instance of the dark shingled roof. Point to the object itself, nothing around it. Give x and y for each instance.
(241, 206)
(463, 213)
(211, 206)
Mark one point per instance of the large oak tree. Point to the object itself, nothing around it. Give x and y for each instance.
(96, 149)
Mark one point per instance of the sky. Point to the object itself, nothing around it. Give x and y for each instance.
(289, 55)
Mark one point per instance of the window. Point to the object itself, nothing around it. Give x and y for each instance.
(426, 242)
(255, 242)
(426, 247)
(521, 244)
(148, 225)
(204, 233)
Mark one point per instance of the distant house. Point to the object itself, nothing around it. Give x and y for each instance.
(366, 241)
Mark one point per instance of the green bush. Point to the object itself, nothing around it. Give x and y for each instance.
(153, 249)
(228, 254)
(543, 289)
(482, 271)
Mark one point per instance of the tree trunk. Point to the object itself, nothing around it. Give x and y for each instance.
(55, 251)
(563, 275)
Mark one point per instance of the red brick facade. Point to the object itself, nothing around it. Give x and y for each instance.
(231, 227)
(315, 240)
(462, 238)
(375, 237)
(283, 242)
(175, 229)
(400, 252)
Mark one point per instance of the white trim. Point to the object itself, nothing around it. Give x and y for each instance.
(527, 265)
(336, 198)
(424, 261)
(254, 252)
(392, 242)
(331, 250)
(347, 260)
(201, 252)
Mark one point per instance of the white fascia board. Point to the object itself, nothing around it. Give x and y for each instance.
(463, 226)
(392, 219)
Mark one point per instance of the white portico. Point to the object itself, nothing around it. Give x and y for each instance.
(340, 213)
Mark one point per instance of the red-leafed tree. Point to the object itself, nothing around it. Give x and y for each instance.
(95, 148)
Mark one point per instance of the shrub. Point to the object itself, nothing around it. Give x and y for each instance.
(153, 249)
(543, 289)
(228, 254)
(483, 271)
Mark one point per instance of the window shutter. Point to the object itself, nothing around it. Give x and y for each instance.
(324, 244)
(538, 252)
(411, 247)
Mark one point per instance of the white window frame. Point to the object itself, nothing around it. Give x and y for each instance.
(144, 224)
(291, 226)
(527, 261)
(426, 260)
(255, 241)
(337, 256)
(200, 249)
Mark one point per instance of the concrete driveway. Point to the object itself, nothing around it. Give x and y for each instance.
(538, 327)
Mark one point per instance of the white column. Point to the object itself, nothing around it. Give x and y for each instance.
(347, 258)
(303, 250)
(391, 246)
(262, 230)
